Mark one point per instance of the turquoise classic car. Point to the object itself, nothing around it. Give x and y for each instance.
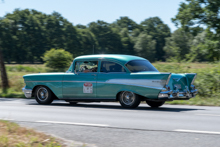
(124, 78)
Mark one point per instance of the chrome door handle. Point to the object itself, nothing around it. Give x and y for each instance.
(93, 74)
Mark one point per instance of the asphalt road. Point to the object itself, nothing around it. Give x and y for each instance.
(109, 125)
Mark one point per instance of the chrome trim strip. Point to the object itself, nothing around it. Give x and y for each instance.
(109, 82)
(43, 81)
(133, 85)
(168, 79)
(62, 81)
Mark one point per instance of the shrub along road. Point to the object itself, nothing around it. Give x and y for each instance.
(107, 124)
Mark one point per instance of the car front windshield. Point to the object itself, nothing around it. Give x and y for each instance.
(140, 66)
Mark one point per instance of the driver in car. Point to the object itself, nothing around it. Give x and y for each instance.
(94, 69)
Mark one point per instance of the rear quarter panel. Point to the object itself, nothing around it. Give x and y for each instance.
(146, 84)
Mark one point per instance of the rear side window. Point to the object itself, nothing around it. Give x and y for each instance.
(108, 66)
(140, 66)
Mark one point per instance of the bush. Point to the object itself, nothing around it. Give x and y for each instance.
(57, 60)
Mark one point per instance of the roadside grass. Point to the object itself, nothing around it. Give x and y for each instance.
(207, 81)
(198, 101)
(12, 135)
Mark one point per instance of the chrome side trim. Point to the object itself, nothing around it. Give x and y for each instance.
(132, 85)
(63, 81)
(135, 82)
(80, 81)
(43, 81)
(27, 92)
(168, 79)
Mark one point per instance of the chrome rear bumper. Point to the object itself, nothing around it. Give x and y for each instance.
(27, 92)
(175, 94)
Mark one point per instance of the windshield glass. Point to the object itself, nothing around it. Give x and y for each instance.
(140, 66)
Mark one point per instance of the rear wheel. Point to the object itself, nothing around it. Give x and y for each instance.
(128, 99)
(43, 95)
(154, 104)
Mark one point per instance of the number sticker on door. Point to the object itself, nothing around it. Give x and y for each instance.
(87, 88)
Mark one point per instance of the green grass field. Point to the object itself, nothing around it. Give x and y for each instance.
(207, 81)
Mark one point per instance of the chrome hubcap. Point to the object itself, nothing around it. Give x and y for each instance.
(128, 97)
(42, 94)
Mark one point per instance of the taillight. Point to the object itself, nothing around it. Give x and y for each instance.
(193, 87)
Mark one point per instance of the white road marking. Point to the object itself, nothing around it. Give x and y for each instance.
(208, 114)
(72, 123)
(196, 131)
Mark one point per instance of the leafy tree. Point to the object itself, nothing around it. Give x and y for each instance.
(204, 48)
(127, 42)
(57, 60)
(125, 22)
(145, 46)
(108, 40)
(72, 38)
(88, 41)
(178, 45)
(155, 27)
(194, 13)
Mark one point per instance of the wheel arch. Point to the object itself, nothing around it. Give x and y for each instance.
(35, 87)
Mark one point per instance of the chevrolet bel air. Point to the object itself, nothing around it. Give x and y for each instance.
(124, 78)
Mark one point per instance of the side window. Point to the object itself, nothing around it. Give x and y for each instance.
(108, 66)
(86, 66)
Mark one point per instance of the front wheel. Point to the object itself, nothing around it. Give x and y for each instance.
(154, 104)
(43, 95)
(129, 99)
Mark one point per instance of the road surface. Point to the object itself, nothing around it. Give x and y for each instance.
(109, 125)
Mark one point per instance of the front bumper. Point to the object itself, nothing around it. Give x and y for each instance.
(176, 94)
(27, 92)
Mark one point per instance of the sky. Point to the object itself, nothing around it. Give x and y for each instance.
(86, 11)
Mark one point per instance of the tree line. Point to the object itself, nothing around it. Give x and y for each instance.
(25, 35)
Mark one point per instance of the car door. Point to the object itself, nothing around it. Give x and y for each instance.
(81, 84)
(111, 79)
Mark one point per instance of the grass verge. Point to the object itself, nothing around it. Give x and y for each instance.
(12, 135)
(198, 101)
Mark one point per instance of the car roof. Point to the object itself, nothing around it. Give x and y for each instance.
(120, 58)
